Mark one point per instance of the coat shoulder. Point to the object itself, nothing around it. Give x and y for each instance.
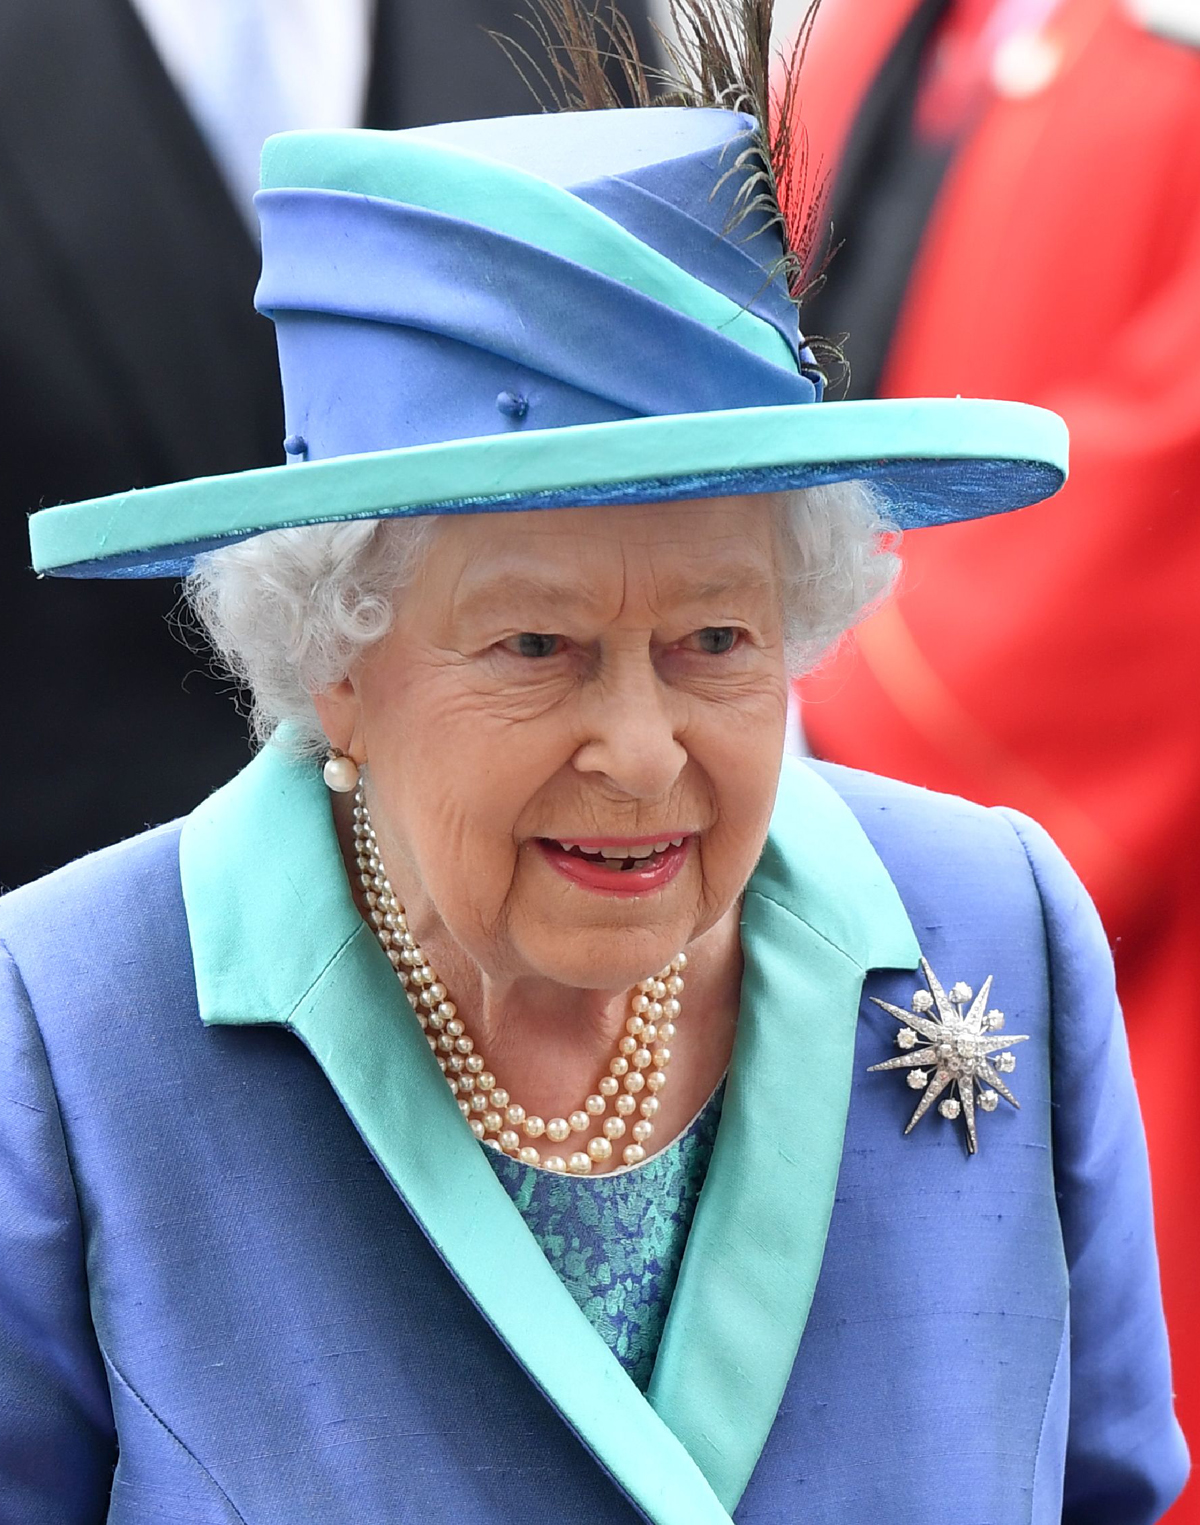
(918, 832)
(112, 924)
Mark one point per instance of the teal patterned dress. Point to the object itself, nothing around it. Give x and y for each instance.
(617, 1241)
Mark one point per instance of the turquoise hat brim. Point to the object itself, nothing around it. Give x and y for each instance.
(935, 461)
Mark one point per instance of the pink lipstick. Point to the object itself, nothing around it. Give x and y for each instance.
(624, 866)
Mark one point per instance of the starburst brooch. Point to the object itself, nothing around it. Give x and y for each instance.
(958, 1057)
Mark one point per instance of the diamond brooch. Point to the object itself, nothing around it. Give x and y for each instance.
(961, 1061)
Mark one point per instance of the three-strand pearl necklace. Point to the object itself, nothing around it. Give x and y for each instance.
(636, 1074)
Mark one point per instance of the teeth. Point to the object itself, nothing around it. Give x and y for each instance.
(620, 854)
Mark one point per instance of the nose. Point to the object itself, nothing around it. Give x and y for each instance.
(630, 727)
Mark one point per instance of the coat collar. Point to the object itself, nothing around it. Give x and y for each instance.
(276, 939)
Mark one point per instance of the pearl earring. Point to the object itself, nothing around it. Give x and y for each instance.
(340, 773)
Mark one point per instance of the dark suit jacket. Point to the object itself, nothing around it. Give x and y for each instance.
(131, 354)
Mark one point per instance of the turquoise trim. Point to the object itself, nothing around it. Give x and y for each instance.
(838, 440)
(453, 181)
(271, 827)
(819, 909)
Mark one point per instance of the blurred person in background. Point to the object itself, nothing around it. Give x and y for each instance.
(130, 353)
(1015, 197)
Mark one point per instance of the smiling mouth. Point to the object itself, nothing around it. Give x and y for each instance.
(619, 858)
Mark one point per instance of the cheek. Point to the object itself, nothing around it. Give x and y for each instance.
(740, 756)
(454, 789)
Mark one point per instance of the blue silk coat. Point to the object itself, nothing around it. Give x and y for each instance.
(255, 1271)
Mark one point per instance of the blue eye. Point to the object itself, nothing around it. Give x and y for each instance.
(715, 640)
(531, 643)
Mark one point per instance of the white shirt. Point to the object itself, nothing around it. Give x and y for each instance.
(249, 68)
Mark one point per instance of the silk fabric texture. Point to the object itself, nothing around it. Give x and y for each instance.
(248, 1240)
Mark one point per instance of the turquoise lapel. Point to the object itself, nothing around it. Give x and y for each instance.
(819, 912)
(276, 939)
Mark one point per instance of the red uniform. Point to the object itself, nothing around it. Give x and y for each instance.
(1050, 659)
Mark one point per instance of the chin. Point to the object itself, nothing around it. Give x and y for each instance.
(609, 958)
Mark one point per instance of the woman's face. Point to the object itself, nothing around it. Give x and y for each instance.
(561, 693)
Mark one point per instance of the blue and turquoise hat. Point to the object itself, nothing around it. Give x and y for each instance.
(539, 312)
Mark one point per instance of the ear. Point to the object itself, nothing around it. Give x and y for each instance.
(340, 712)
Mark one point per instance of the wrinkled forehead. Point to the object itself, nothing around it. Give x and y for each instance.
(683, 551)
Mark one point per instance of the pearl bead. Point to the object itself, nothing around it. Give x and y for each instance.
(491, 1115)
(340, 774)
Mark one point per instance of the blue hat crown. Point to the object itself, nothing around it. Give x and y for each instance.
(536, 272)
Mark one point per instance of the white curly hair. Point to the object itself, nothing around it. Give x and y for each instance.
(289, 612)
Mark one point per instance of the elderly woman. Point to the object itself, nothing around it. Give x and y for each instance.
(517, 1128)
